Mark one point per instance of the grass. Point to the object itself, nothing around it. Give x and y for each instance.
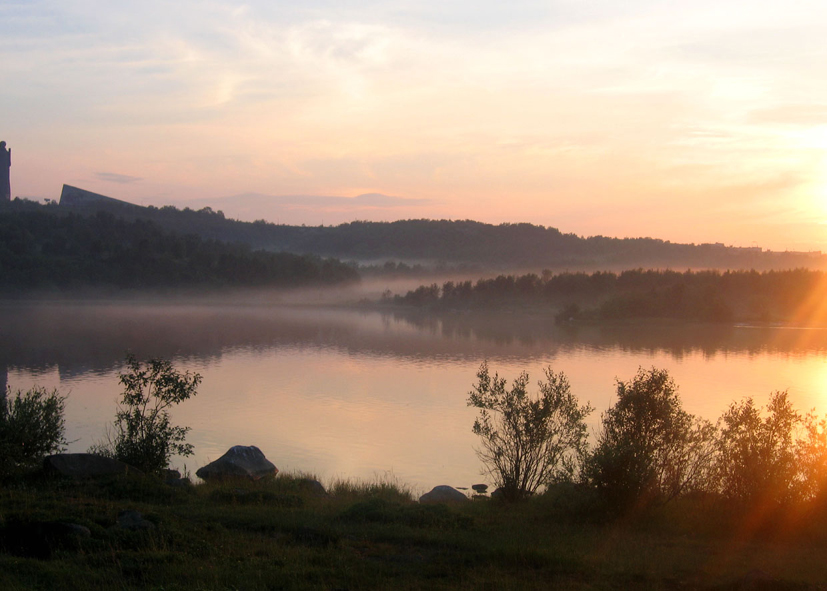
(285, 534)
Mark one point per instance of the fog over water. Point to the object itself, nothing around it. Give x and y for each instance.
(357, 393)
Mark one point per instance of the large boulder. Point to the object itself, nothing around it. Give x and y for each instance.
(83, 466)
(443, 494)
(240, 461)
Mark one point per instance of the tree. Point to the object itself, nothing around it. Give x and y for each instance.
(528, 442)
(143, 436)
(811, 457)
(758, 458)
(32, 426)
(649, 449)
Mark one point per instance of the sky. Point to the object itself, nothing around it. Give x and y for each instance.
(690, 121)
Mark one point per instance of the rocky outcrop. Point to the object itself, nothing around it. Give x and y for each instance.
(443, 494)
(83, 466)
(240, 461)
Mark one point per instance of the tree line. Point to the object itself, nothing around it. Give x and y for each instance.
(43, 249)
(691, 295)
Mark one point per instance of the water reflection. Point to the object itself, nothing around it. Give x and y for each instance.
(93, 338)
(355, 393)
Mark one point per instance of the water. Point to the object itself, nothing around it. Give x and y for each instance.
(350, 394)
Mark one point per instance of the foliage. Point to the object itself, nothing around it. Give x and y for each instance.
(49, 248)
(758, 454)
(32, 426)
(528, 442)
(811, 457)
(143, 435)
(705, 296)
(649, 449)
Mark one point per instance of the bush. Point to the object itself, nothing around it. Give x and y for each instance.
(143, 435)
(528, 442)
(649, 449)
(811, 454)
(32, 426)
(758, 454)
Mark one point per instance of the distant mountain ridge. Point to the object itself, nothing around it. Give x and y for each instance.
(434, 242)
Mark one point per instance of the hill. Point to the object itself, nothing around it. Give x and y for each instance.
(45, 247)
(451, 242)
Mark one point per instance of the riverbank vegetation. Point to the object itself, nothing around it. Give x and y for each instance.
(707, 296)
(648, 451)
(143, 436)
(663, 501)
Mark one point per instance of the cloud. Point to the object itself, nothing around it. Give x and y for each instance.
(380, 200)
(806, 115)
(366, 200)
(113, 177)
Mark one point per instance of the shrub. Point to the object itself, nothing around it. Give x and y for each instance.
(143, 436)
(649, 450)
(757, 454)
(528, 442)
(32, 426)
(811, 457)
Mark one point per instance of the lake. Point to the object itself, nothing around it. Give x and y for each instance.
(346, 393)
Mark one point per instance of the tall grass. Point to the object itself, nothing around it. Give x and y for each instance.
(386, 487)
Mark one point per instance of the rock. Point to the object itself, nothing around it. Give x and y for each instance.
(443, 494)
(40, 539)
(133, 520)
(86, 466)
(756, 580)
(479, 488)
(498, 494)
(239, 462)
(312, 486)
(172, 477)
(169, 474)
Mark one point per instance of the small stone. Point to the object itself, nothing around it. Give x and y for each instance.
(133, 520)
(169, 474)
(312, 486)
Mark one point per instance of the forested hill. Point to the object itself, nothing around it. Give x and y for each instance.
(43, 249)
(499, 247)
(459, 242)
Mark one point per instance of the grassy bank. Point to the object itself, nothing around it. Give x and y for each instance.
(284, 534)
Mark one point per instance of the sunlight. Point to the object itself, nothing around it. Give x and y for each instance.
(813, 309)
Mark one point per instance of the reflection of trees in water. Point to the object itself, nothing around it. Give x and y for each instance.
(94, 338)
(676, 339)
